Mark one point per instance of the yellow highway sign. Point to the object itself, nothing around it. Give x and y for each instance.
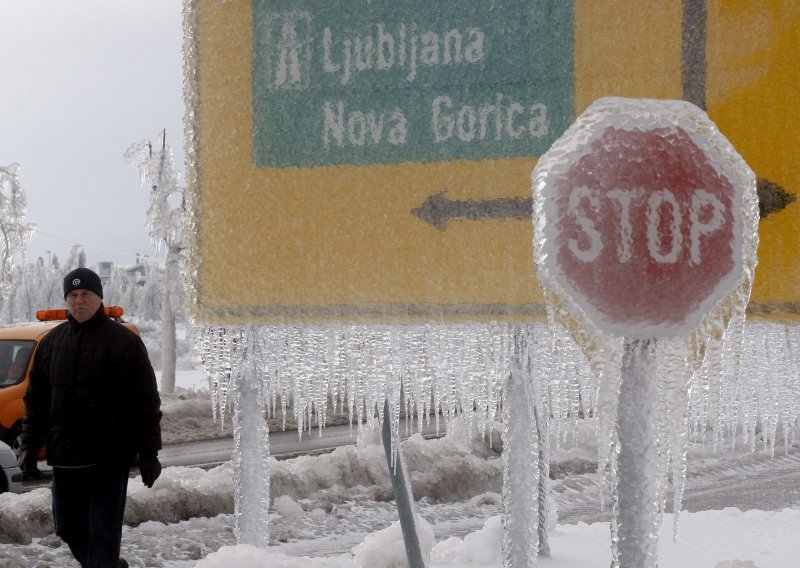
(357, 161)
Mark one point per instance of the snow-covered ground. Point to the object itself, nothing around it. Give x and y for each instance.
(335, 510)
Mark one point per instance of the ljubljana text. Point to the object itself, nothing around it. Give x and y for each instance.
(400, 48)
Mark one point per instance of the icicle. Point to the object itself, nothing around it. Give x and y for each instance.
(792, 351)
(606, 412)
(714, 367)
(674, 378)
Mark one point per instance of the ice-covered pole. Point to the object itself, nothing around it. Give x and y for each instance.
(525, 464)
(251, 443)
(635, 527)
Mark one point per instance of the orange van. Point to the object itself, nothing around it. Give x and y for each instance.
(18, 343)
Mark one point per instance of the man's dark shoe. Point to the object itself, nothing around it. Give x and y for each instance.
(122, 563)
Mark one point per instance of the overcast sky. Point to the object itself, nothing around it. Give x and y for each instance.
(80, 81)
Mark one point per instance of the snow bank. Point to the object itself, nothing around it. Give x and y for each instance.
(25, 516)
(344, 468)
(386, 548)
(245, 555)
(443, 470)
(448, 469)
(187, 416)
(713, 539)
(181, 493)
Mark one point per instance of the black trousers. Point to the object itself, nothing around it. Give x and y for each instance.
(88, 508)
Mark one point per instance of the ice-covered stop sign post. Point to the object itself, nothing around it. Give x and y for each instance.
(645, 223)
(638, 216)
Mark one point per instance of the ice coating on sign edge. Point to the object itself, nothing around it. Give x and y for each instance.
(682, 352)
(191, 146)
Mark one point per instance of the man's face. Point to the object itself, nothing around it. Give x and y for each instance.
(83, 304)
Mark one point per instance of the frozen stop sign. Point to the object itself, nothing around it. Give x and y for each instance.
(639, 216)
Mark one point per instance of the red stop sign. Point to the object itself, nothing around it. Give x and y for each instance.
(639, 221)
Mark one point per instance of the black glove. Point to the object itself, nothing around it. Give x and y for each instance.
(150, 468)
(29, 463)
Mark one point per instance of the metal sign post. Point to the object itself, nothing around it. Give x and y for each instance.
(403, 496)
(637, 521)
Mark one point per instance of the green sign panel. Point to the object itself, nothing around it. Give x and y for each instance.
(383, 82)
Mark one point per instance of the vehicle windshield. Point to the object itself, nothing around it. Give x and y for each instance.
(15, 355)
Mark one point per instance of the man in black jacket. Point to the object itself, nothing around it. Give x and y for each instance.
(93, 399)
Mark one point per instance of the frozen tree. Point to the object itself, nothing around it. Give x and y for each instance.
(121, 291)
(21, 301)
(76, 258)
(166, 218)
(15, 232)
(45, 285)
(151, 297)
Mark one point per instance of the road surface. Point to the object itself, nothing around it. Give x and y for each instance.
(209, 453)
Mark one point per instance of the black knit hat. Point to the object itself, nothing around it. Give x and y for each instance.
(82, 279)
